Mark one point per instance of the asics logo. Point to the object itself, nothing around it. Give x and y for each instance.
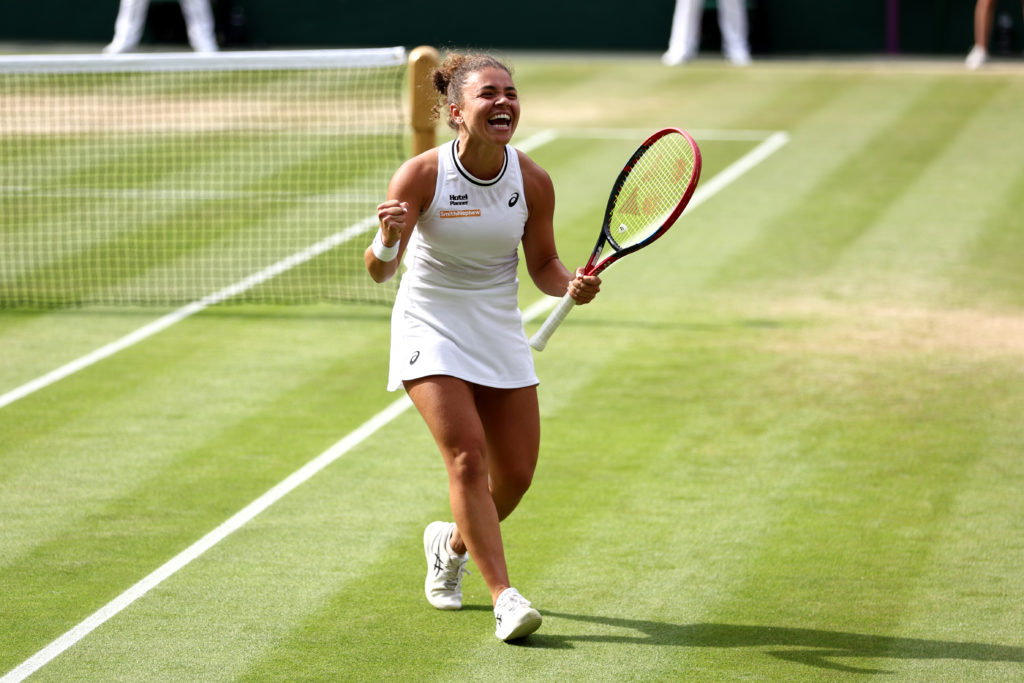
(415, 357)
(514, 199)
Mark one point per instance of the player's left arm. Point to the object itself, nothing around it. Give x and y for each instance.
(546, 269)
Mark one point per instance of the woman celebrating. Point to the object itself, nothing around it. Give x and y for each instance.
(457, 340)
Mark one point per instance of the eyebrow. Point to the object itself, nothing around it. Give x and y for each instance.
(489, 86)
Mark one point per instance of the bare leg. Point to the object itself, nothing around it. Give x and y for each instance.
(488, 439)
(512, 423)
(984, 14)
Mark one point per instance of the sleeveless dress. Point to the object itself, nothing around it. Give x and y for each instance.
(457, 308)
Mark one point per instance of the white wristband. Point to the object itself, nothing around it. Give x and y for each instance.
(381, 252)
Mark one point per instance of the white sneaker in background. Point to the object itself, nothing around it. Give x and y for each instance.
(670, 59)
(976, 57)
(742, 59)
(739, 58)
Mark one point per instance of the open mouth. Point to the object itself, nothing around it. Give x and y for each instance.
(502, 121)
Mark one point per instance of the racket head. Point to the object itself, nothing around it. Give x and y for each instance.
(649, 194)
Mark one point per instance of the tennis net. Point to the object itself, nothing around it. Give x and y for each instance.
(160, 179)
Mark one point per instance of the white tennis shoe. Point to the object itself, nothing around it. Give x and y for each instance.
(444, 570)
(514, 616)
(976, 57)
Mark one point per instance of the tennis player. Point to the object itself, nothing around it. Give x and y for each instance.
(458, 346)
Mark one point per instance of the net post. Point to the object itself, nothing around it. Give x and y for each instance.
(422, 61)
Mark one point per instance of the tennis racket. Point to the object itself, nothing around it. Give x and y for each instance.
(648, 196)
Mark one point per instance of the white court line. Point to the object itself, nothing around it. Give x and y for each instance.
(307, 471)
(714, 185)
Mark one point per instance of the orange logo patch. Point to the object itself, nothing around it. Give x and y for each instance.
(460, 213)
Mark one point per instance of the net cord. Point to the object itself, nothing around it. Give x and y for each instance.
(256, 60)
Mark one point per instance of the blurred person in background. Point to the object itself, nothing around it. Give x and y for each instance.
(131, 21)
(984, 15)
(684, 41)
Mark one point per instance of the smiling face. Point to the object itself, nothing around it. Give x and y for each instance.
(490, 106)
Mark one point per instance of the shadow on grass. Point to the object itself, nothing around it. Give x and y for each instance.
(810, 647)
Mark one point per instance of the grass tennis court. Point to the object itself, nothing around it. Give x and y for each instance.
(784, 444)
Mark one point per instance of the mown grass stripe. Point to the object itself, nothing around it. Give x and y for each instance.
(809, 238)
(917, 249)
(992, 268)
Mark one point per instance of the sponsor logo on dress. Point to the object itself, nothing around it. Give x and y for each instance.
(514, 199)
(415, 357)
(458, 199)
(459, 213)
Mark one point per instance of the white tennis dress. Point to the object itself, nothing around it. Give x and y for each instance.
(457, 308)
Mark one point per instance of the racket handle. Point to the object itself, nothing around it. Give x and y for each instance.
(540, 339)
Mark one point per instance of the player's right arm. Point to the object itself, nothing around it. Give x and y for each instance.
(410, 192)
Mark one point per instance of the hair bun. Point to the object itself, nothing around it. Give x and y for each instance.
(450, 76)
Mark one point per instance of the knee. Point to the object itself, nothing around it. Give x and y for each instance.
(467, 466)
(517, 479)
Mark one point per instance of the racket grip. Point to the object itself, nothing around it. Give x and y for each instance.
(540, 338)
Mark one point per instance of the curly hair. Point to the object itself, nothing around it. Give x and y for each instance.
(450, 77)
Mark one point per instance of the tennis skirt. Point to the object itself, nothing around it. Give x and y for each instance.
(475, 335)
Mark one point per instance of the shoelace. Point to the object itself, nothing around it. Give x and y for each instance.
(452, 573)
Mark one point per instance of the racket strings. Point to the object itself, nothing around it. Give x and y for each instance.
(651, 191)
